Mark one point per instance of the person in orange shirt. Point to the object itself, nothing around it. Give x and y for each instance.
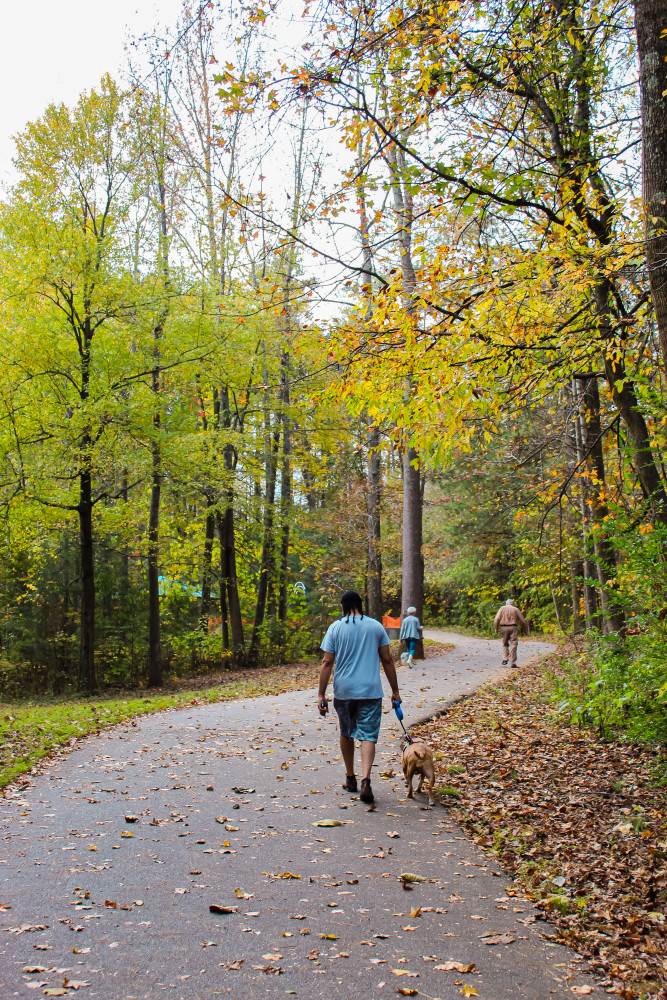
(507, 619)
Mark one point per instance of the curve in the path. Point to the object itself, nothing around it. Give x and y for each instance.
(124, 906)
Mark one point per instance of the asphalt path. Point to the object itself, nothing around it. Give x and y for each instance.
(226, 799)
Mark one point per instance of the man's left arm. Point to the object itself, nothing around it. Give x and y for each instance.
(390, 674)
(524, 623)
(325, 677)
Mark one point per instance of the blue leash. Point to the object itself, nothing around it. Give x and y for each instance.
(399, 716)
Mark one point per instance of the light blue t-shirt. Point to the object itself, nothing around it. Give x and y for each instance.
(355, 642)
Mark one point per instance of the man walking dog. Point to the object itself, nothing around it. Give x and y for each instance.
(357, 644)
(507, 618)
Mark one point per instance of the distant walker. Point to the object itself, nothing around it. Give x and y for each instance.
(507, 619)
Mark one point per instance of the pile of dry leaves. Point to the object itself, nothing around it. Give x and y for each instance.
(579, 822)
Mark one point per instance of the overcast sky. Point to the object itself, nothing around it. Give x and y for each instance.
(54, 49)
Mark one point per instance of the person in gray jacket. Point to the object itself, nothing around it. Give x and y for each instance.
(410, 631)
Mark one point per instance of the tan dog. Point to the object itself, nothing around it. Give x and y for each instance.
(418, 759)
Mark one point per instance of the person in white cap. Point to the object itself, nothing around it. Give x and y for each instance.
(507, 619)
(410, 631)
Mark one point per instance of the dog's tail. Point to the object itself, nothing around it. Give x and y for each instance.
(420, 752)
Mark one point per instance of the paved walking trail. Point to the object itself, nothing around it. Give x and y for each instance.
(338, 931)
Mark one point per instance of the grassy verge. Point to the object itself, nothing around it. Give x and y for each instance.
(31, 731)
(579, 821)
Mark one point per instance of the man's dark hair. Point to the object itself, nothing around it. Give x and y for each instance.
(351, 602)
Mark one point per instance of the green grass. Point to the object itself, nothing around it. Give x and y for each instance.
(31, 731)
(448, 790)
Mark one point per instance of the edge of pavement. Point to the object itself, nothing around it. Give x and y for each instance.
(438, 708)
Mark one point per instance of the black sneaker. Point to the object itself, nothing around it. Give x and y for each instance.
(504, 663)
(350, 783)
(366, 794)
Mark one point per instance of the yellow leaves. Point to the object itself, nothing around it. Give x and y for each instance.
(469, 991)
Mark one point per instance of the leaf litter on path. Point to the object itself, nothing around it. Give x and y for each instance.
(579, 821)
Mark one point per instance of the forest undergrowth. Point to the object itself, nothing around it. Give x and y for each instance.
(577, 817)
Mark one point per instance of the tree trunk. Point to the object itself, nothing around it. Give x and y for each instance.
(87, 675)
(267, 561)
(224, 620)
(625, 397)
(374, 493)
(205, 606)
(576, 575)
(153, 567)
(650, 24)
(231, 581)
(605, 555)
(412, 581)
(285, 489)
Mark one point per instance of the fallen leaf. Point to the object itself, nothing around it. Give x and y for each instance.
(492, 939)
(404, 972)
(209, 944)
(394, 834)
(231, 829)
(243, 791)
(56, 991)
(581, 990)
(455, 967)
(272, 956)
(217, 908)
(243, 895)
(74, 984)
(329, 937)
(180, 892)
(287, 934)
(131, 818)
(281, 875)
(408, 927)
(328, 822)
(271, 970)
(411, 877)
(236, 964)
(221, 819)
(34, 968)
(26, 928)
(407, 991)
(81, 951)
(415, 912)
(298, 916)
(110, 903)
(469, 991)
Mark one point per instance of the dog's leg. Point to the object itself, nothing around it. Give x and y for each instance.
(421, 781)
(408, 781)
(431, 784)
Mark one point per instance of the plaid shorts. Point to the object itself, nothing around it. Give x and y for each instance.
(359, 718)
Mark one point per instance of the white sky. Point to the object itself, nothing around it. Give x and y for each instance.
(54, 49)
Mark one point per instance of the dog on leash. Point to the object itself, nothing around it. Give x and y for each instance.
(418, 759)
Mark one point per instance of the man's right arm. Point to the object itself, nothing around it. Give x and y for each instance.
(390, 674)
